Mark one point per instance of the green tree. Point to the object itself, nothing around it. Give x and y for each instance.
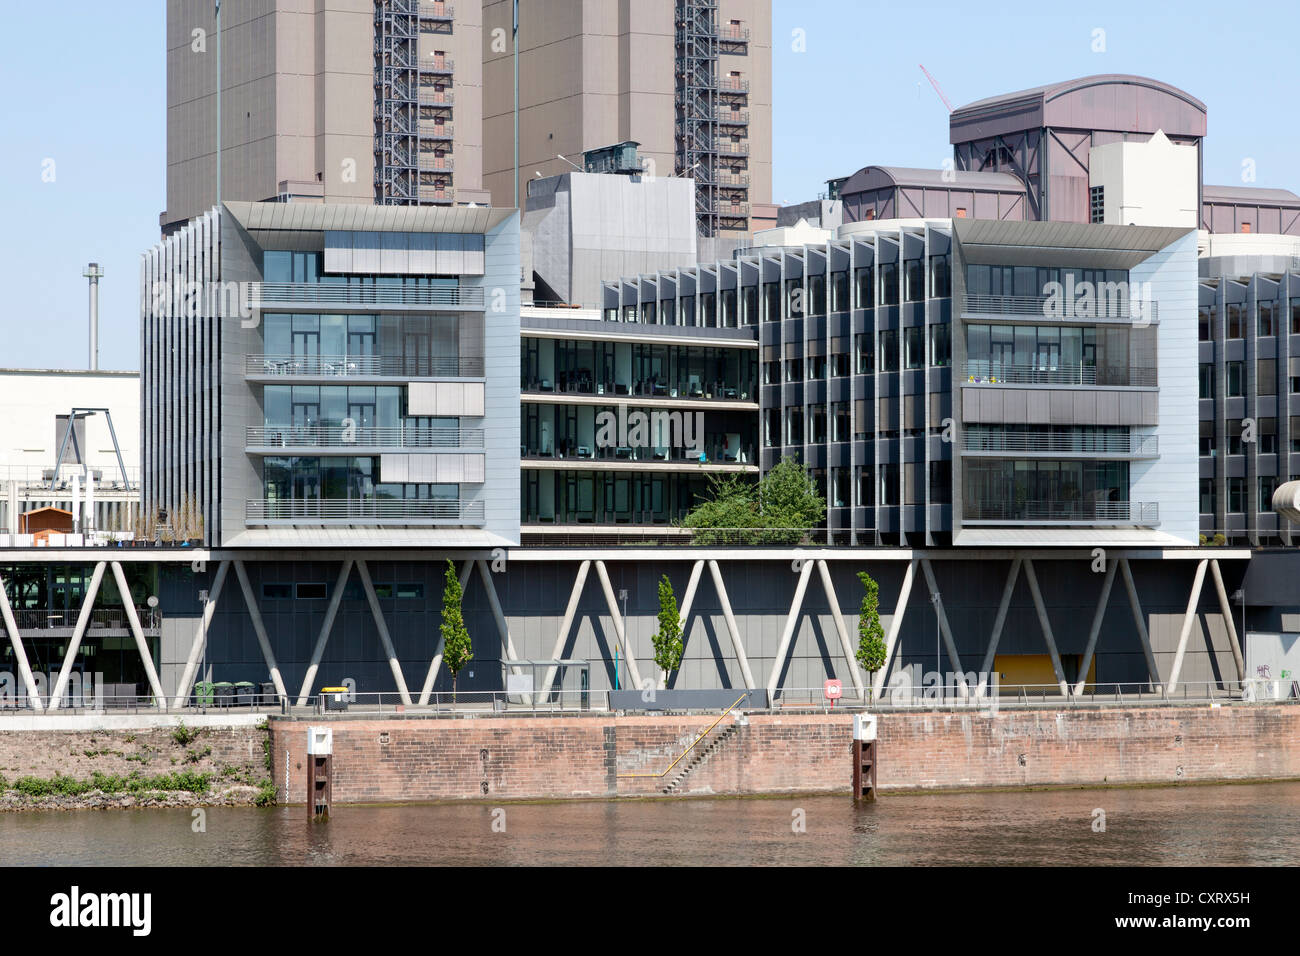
(778, 510)
(788, 498)
(871, 636)
(668, 639)
(456, 648)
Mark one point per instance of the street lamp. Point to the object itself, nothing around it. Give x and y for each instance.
(938, 661)
(622, 596)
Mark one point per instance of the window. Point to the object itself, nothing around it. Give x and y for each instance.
(1096, 204)
(793, 370)
(1236, 325)
(1295, 316)
(940, 277)
(277, 592)
(1267, 318)
(1266, 435)
(915, 283)
(862, 350)
(1207, 379)
(889, 350)
(1266, 377)
(1267, 485)
(1236, 380)
(1295, 433)
(313, 591)
(412, 592)
(839, 364)
(839, 291)
(941, 482)
(913, 337)
(1236, 495)
(1207, 496)
(941, 344)
(839, 421)
(862, 279)
(889, 283)
(889, 484)
(960, 213)
(1234, 436)
(1205, 326)
(816, 367)
(1207, 448)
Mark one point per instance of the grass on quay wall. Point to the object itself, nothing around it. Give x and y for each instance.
(134, 783)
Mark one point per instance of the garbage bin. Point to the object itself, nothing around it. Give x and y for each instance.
(224, 692)
(269, 696)
(203, 692)
(336, 698)
(244, 694)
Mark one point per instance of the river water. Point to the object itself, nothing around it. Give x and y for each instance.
(1254, 824)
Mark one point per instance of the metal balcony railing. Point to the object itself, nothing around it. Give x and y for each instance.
(111, 618)
(262, 294)
(981, 372)
(429, 130)
(429, 163)
(365, 511)
(345, 366)
(731, 148)
(432, 97)
(108, 478)
(730, 34)
(732, 84)
(436, 10)
(733, 210)
(737, 180)
(1137, 445)
(436, 194)
(1047, 307)
(732, 117)
(439, 64)
(379, 436)
(1084, 512)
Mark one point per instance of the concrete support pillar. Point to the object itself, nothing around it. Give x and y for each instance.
(16, 641)
(1031, 577)
(895, 625)
(384, 638)
(83, 618)
(146, 656)
(990, 655)
(1234, 640)
(962, 687)
(331, 611)
(1139, 620)
(566, 622)
(620, 627)
(849, 657)
(1189, 618)
(736, 642)
(259, 628)
(435, 665)
(201, 638)
(787, 634)
(1095, 631)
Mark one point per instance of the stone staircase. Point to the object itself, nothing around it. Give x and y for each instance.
(699, 757)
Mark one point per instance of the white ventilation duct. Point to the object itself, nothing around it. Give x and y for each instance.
(1286, 501)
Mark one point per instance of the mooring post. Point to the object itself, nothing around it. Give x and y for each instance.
(864, 757)
(320, 757)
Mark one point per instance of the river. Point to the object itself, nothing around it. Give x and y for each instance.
(1253, 824)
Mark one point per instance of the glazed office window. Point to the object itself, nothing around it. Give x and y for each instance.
(793, 370)
(794, 303)
(839, 364)
(1236, 379)
(913, 341)
(771, 302)
(888, 350)
(816, 367)
(1206, 372)
(839, 421)
(941, 344)
(771, 373)
(1266, 377)
(862, 282)
(1236, 496)
(941, 482)
(1295, 433)
(940, 277)
(1267, 321)
(1208, 496)
(1295, 316)
(862, 353)
(749, 305)
(1204, 323)
(839, 291)
(816, 294)
(1236, 323)
(888, 283)
(772, 427)
(1097, 204)
(914, 276)
(1207, 444)
(1233, 431)
(1266, 436)
(1267, 485)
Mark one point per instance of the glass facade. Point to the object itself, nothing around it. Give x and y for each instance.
(608, 497)
(1027, 490)
(638, 369)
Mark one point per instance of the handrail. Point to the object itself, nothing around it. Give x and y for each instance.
(664, 772)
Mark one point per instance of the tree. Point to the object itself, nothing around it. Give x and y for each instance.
(871, 636)
(456, 648)
(668, 639)
(778, 510)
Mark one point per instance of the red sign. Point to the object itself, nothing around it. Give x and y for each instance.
(834, 690)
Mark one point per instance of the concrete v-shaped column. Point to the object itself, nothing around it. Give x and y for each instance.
(16, 640)
(990, 656)
(87, 606)
(435, 665)
(619, 626)
(895, 625)
(684, 610)
(1153, 671)
(1095, 631)
(737, 644)
(962, 687)
(331, 611)
(1233, 638)
(1032, 578)
(259, 628)
(141, 644)
(791, 619)
(384, 636)
(201, 637)
(1189, 618)
(840, 629)
(565, 623)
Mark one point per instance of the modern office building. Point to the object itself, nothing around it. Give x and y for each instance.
(623, 423)
(690, 81)
(355, 101)
(325, 374)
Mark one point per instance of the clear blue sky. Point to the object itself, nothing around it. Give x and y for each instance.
(88, 92)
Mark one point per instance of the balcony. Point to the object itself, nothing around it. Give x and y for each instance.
(438, 64)
(437, 131)
(60, 623)
(732, 210)
(731, 180)
(361, 366)
(732, 84)
(1038, 306)
(432, 97)
(1140, 513)
(1129, 446)
(349, 440)
(732, 117)
(979, 372)
(436, 10)
(261, 295)
(369, 512)
(731, 148)
(436, 194)
(429, 163)
(731, 34)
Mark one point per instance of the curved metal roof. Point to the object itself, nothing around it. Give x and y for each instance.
(884, 177)
(1248, 194)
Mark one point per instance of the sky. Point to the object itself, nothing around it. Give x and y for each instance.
(83, 141)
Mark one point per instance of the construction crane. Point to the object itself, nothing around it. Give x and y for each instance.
(935, 84)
